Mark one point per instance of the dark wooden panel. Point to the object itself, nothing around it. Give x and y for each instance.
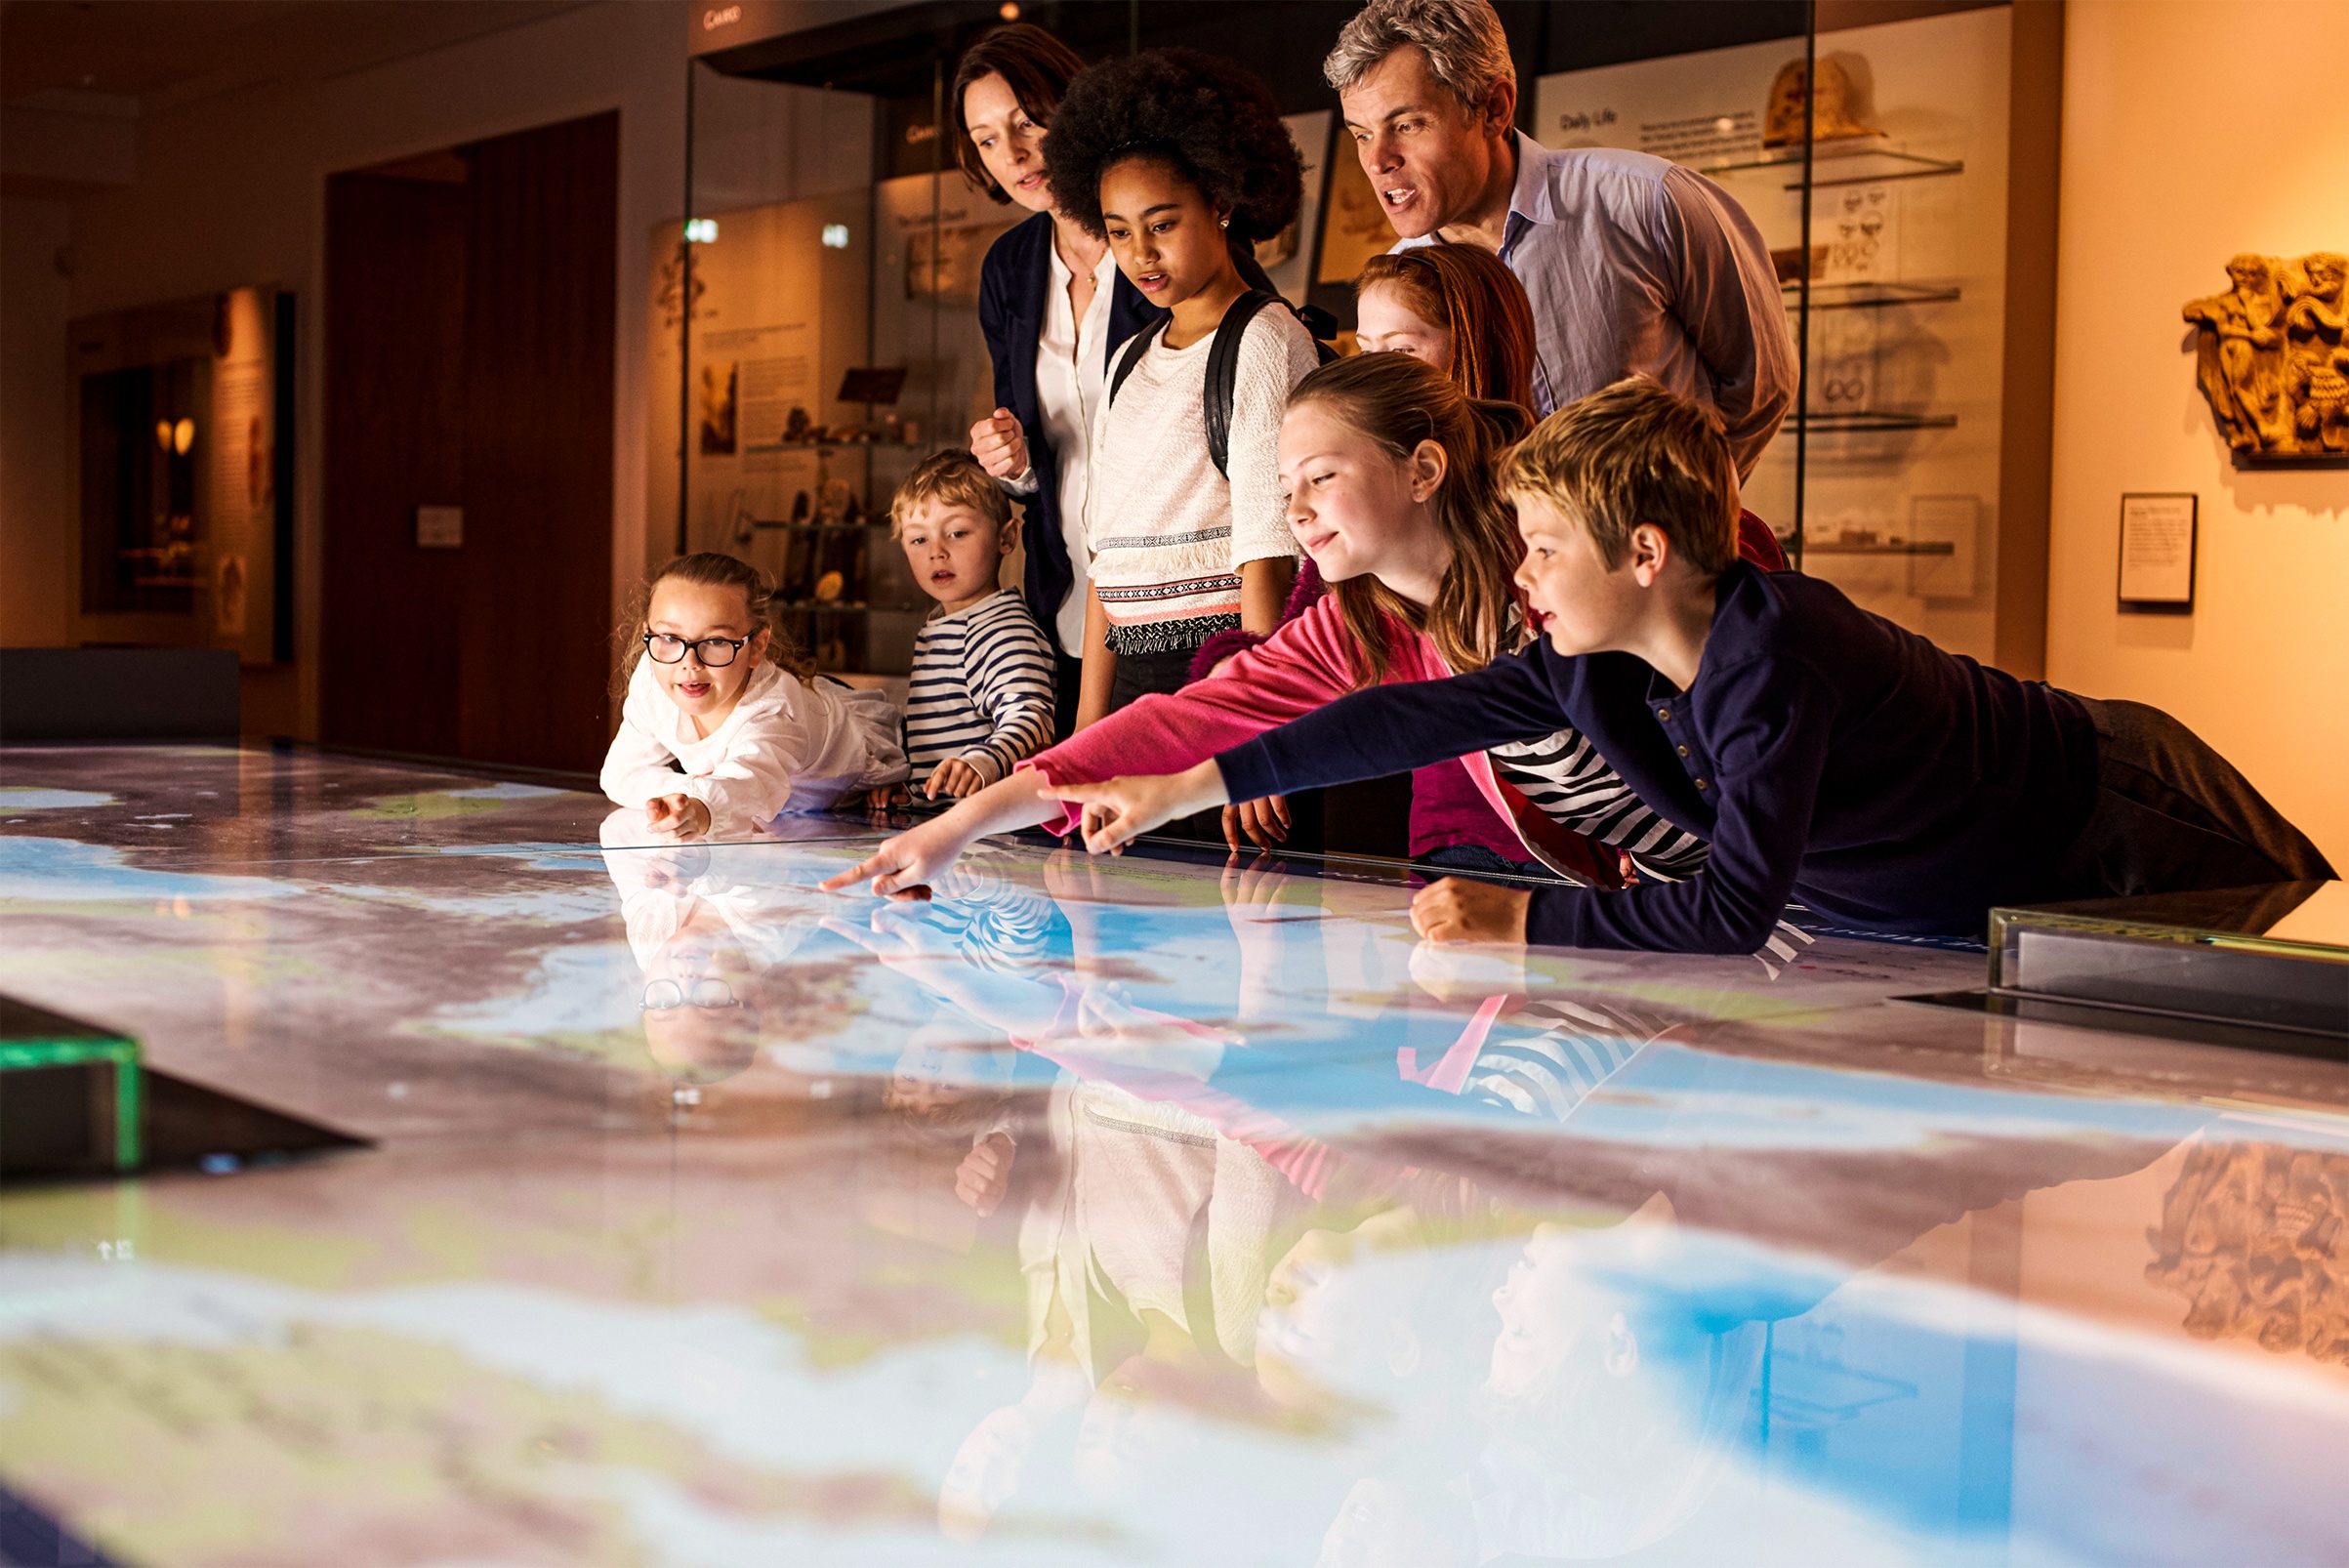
(2034, 135)
(117, 694)
(539, 303)
(389, 669)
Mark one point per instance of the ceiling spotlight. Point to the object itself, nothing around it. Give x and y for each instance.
(182, 436)
(1008, 9)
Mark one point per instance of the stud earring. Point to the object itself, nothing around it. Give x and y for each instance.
(1222, 223)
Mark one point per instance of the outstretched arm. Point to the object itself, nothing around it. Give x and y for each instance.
(1370, 735)
(1398, 727)
(919, 854)
(1120, 810)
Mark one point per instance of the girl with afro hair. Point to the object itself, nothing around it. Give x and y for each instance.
(1171, 156)
(1052, 305)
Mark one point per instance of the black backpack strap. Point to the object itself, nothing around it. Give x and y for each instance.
(1223, 371)
(1135, 348)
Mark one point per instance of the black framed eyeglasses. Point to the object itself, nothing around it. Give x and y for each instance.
(708, 995)
(713, 652)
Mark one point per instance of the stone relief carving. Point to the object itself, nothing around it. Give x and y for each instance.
(2272, 357)
(2256, 1237)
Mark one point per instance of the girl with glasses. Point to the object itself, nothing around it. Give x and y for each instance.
(723, 723)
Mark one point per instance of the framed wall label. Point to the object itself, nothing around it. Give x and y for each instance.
(439, 527)
(2157, 554)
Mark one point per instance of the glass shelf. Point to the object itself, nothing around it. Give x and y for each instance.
(2274, 958)
(829, 447)
(1875, 168)
(1865, 422)
(1868, 296)
(1840, 165)
(1889, 547)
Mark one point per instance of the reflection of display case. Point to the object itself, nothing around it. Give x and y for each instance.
(184, 450)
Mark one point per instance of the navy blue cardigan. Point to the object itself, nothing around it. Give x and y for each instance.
(1016, 282)
(1823, 753)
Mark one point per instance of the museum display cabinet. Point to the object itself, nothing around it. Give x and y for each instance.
(182, 444)
(1890, 243)
(814, 312)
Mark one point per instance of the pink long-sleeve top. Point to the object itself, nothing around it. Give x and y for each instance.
(1309, 661)
(1306, 663)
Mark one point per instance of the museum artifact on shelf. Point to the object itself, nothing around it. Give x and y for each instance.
(2273, 362)
(1838, 115)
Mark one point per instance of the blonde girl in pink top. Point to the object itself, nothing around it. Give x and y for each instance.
(1388, 468)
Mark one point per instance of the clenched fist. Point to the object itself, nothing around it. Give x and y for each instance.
(1000, 444)
(1458, 910)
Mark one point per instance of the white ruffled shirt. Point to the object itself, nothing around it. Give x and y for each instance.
(787, 746)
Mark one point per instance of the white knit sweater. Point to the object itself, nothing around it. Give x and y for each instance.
(1168, 534)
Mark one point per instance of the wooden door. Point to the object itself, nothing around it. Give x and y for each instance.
(539, 299)
(468, 363)
(395, 441)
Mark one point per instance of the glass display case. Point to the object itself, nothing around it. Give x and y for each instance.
(1889, 241)
(815, 307)
(183, 443)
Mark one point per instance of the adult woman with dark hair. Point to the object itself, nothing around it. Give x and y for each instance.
(1052, 305)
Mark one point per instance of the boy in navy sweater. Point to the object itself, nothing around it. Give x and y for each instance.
(1826, 755)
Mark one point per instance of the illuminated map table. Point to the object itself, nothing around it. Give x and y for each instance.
(1105, 1212)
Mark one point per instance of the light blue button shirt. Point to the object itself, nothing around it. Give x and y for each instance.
(1635, 265)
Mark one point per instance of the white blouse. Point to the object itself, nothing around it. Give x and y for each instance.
(787, 746)
(1168, 534)
(1071, 367)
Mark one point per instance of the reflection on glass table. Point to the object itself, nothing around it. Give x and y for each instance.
(1113, 1211)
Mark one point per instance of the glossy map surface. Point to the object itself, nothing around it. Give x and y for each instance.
(1105, 1212)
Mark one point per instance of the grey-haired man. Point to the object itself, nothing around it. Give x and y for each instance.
(1634, 263)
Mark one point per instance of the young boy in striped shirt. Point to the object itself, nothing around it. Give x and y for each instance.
(982, 697)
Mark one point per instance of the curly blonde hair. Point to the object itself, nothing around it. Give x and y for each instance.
(1634, 453)
(955, 477)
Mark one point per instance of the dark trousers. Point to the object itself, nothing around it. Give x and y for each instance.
(1143, 675)
(1068, 685)
(2172, 815)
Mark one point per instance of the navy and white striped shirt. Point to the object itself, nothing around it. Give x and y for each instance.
(1551, 1055)
(982, 689)
(1566, 778)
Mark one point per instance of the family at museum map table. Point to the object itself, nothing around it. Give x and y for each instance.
(1499, 546)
